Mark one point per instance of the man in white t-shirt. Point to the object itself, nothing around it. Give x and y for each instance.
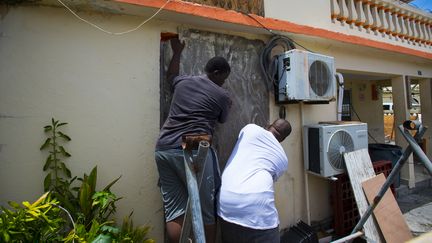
(246, 198)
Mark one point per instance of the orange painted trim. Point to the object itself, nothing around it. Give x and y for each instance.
(230, 16)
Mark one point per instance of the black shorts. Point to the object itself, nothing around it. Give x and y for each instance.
(234, 233)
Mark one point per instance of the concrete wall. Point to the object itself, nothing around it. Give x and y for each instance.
(426, 106)
(291, 199)
(306, 12)
(107, 88)
(367, 109)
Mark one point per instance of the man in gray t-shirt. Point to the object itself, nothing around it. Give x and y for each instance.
(198, 102)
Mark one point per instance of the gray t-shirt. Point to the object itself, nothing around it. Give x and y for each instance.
(196, 105)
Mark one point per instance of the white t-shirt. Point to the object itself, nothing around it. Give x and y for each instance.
(246, 196)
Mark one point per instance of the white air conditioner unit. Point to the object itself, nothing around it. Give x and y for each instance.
(325, 144)
(305, 76)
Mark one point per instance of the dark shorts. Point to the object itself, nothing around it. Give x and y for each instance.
(173, 186)
(233, 233)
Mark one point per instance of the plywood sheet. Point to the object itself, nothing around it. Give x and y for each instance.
(360, 169)
(387, 213)
(246, 83)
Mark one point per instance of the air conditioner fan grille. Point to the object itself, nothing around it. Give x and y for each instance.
(319, 78)
(340, 143)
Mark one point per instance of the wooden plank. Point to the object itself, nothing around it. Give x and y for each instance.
(360, 169)
(387, 213)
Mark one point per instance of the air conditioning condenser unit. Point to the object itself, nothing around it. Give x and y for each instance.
(305, 76)
(324, 145)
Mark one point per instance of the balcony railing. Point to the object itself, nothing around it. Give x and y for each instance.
(390, 18)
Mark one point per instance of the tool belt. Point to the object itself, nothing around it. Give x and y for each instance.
(191, 141)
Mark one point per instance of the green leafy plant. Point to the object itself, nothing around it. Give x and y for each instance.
(95, 205)
(89, 210)
(94, 234)
(58, 180)
(54, 162)
(40, 221)
(108, 232)
(130, 233)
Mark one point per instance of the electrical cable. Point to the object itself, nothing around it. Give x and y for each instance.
(256, 20)
(268, 62)
(69, 215)
(109, 32)
(271, 31)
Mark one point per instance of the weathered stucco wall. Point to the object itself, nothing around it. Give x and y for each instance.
(366, 109)
(107, 88)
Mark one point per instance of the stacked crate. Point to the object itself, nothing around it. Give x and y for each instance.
(344, 206)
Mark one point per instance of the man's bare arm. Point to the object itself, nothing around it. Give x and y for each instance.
(174, 66)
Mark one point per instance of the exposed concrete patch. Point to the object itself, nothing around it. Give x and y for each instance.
(409, 199)
(419, 219)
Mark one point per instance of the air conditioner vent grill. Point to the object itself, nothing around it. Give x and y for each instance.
(319, 77)
(340, 143)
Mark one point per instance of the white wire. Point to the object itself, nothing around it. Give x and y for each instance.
(114, 33)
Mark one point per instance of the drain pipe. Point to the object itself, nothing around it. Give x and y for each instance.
(340, 80)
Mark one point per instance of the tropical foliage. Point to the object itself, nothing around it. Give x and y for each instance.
(72, 209)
